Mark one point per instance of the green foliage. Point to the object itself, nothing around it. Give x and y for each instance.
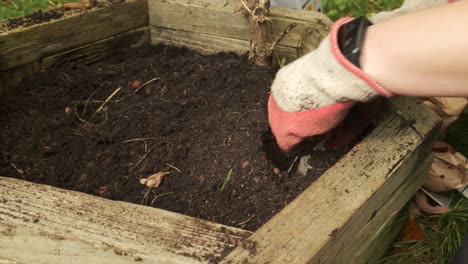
(458, 134)
(445, 235)
(341, 8)
(16, 8)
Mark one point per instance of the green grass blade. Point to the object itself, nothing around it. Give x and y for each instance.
(226, 180)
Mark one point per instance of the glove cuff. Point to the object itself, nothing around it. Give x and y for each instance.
(323, 77)
(347, 64)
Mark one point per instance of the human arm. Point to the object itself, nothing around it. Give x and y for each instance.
(313, 94)
(422, 53)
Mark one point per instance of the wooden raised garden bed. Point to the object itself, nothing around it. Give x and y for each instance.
(339, 218)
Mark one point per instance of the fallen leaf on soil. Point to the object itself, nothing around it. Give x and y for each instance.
(412, 231)
(154, 180)
(245, 164)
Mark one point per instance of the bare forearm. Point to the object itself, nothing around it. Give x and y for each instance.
(421, 54)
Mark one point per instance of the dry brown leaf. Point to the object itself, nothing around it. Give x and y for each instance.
(424, 205)
(411, 230)
(448, 108)
(154, 180)
(449, 169)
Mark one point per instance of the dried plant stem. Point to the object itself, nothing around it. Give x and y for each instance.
(108, 99)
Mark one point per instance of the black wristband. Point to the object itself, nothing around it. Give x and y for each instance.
(351, 38)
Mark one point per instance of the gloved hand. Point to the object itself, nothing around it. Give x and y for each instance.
(313, 94)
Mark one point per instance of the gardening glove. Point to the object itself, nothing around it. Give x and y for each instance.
(313, 94)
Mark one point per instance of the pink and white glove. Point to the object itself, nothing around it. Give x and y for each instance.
(313, 94)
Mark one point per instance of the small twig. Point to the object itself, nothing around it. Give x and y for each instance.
(87, 102)
(143, 158)
(81, 126)
(293, 163)
(106, 115)
(20, 171)
(246, 221)
(144, 141)
(281, 36)
(79, 118)
(75, 134)
(145, 197)
(174, 167)
(68, 77)
(107, 100)
(244, 114)
(160, 195)
(139, 139)
(146, 146)
(90, 101)
(245, 6)
(146, 83)
(138, 89)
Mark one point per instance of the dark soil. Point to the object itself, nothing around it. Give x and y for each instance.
(201, 118)
(51, 14)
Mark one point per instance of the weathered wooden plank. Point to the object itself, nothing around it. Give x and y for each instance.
(85, 54)
(315, 227)
(219, 18)
(381, 239)
(209, 44)
(24, 46)
(381, 243)
(101, 49)
(43, 224)
(12, 77)
(374, 235)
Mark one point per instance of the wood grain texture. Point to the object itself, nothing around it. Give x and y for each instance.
(377, 234)
(84, 54)
(390, 225)
(14, 76)
(208, 44)
(343, 205)
(25, 46)
(43, 224)
(99, 50)
(221, 20)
